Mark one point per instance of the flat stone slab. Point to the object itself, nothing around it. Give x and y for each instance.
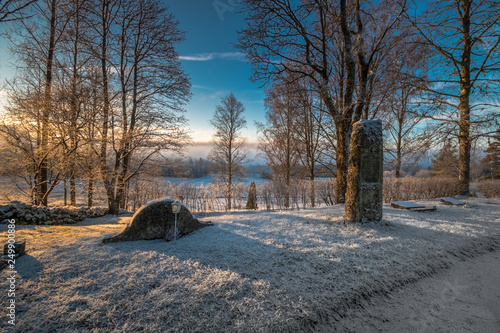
(155, 220)
(411, 206)
(424, 209)
(406, 205)
(452, 201)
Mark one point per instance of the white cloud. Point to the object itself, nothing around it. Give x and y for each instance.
(200, 87)
(238, 56)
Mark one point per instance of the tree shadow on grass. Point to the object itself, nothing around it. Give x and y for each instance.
(28, 267)
(313, 268)
(281, 271)
(307, 248)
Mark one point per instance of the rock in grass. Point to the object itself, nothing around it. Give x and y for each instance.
(18, 247)
(155, 219)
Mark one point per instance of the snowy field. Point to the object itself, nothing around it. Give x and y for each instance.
(286, 271)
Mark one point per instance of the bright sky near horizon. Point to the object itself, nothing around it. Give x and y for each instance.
(215, 67)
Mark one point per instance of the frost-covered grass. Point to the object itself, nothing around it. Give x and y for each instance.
(280, 271)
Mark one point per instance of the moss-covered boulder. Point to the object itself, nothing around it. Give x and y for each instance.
(155, 220)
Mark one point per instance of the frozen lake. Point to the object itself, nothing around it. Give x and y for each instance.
(210, 179)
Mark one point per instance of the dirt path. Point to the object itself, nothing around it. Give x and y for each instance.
(465, 298)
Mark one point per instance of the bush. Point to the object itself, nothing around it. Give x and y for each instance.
(271, 195)
(410, 188)
(490, 188)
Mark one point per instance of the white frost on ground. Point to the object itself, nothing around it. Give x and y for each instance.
(284, 271)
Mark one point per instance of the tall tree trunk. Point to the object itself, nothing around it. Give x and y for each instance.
(128, 129)
(313, 190)
(44, 168)
(288, 165)
(73, 144)
(229, 190)
(398, 161)
(230, 170)
(75, 105)
(121, 165)
(72, 184)
(121, 186)
(90, 192)
(342, 158)
(464, 106)
(398, 149)
(287, 190)
(344, 122)
(107, 180)
(65, 199)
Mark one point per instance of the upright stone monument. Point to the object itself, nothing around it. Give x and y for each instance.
(365, 172)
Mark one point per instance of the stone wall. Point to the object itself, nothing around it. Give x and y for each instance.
(28, 214)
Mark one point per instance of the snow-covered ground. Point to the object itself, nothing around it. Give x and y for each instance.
(286, 271)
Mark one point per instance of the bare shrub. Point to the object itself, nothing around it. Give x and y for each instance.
(266, 195)
(278, 190)
(325, 190)
(198, 198)
(239, 194)
(143, 190)
(490, 188)
(410, 188)
(273, 194)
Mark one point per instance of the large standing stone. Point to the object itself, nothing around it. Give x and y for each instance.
(252, 197)
(155, 220)
(365, 172)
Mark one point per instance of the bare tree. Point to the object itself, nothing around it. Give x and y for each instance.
(491, 160)
(52, 7)
(90, 133)
(229, 147)
(20, 128)
(101, 17)
(75, 67)
(35, 45)
(101, 81)
(465, 40)
(309, 132)
(325, 43)
(143, 89)
(278, 138)
(407, 140)
(150, 78)
(12, 10)
(445, 162)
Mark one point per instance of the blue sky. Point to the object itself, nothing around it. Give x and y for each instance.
(216, 68)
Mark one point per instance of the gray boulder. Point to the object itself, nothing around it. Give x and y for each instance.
(19, 248)
(155, 220)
